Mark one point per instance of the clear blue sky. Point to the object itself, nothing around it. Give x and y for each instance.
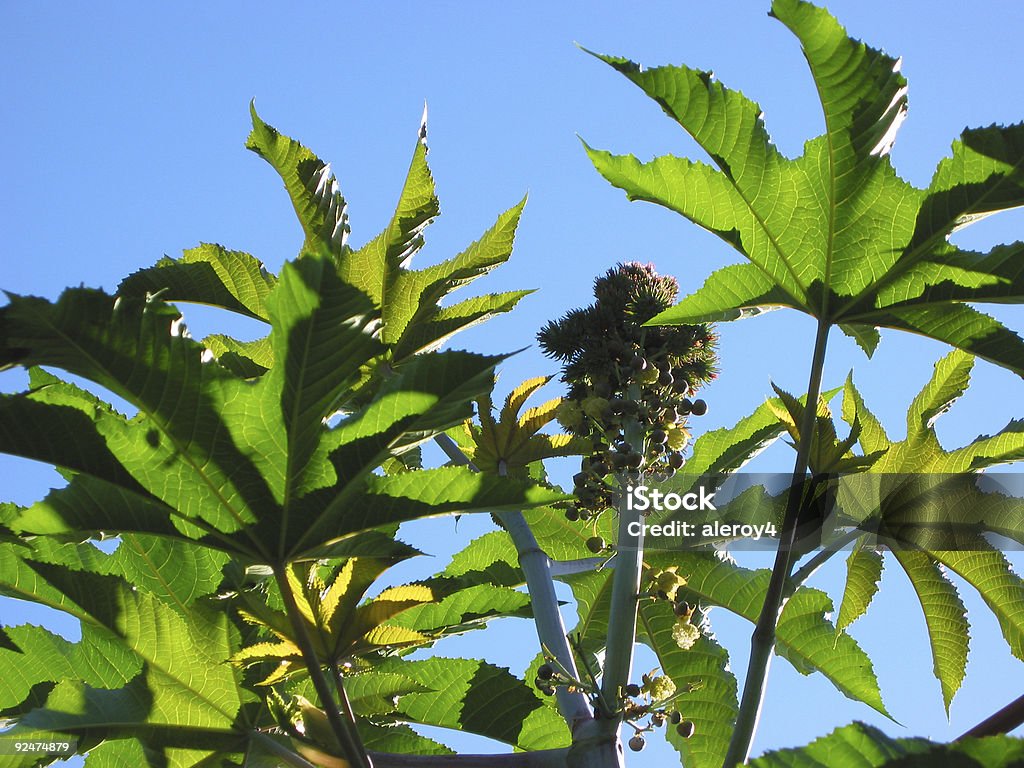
(123, 130)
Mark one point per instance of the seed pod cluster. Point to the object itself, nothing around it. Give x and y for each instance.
(549, 678)
(620, 372)
(653, 699)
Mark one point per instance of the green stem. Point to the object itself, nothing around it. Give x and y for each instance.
(281, 752)
(536, 567)
(805, 571)
(346, 705)
(762, 641)
(629, 554)
(344, 731)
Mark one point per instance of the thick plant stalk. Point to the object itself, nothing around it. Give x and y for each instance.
(1005, 720)
(343, 726)
(283, 754)
(762, 641)
(536, 566)
(547, 758)
(629, 554)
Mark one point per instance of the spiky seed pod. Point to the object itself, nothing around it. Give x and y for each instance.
(606, 354)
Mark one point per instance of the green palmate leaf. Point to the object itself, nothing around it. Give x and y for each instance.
(58, 409)
(176, 572)
(728, 449)
(863, 573)
(921, 450)
(706, 687)
(807, 642)
(232, 461)
(867, 337)
(239, 454)
(904, 500)
(870, 250)
(805, 636)
(310, 184)
(489, 559)
(1005, 446)
(562, 539)
(429, 334)
(408, 299)
(387, 636)
(338, 601)
(391, 602)
(370, 266)
(476, 697)
(512, 442)
(949, 381)
(399, 739)
(374, 693)
(946, 616)
(178, 448)
(162, 673)
(864, 745)
(872, 435)
(430, 393)
(988, 571)
(247, 359)
(412, 296)
(322, 332)
(87, 504)
(433, 492)
(114, 753)
(828, 454)
(593, 593)
(464, 609)
(209, 274)
(39, 656)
